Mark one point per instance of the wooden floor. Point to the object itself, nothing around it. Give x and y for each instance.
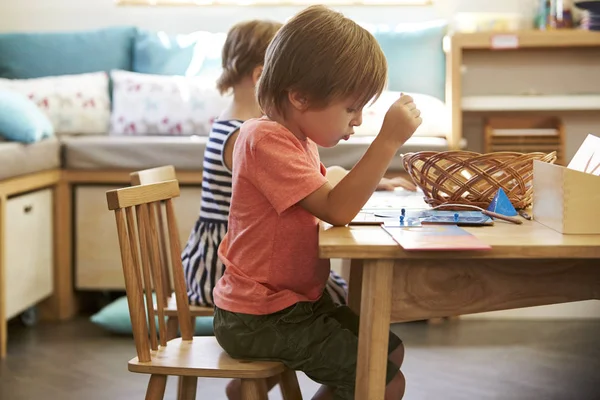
(458, 360)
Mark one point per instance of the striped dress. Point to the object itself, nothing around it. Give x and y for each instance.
(200, 258)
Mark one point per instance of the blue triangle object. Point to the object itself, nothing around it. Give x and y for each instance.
(502, 205)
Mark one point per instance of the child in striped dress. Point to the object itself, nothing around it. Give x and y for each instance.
(242, 60)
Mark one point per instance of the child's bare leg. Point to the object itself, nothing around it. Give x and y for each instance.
(234, 387)
(395, 389)
(324, 393)
(397, 356)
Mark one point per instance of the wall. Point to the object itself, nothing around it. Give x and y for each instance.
(53, 15)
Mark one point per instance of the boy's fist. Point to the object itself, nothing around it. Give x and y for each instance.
(401, 121)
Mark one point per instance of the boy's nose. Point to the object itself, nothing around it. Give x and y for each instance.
(357, 121)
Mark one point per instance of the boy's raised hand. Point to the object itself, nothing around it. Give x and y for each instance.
(401, 121)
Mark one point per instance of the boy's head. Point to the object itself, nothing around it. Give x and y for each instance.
(320, 60)
(244, 51)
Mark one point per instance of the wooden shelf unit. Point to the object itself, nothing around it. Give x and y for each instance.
(544, 134)
(456, 44)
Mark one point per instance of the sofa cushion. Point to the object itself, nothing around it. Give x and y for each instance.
(415, 57)
(34, 55)
(191, 54)
(347, 153)
(21, 120)
(146, 104)
(435, 115)
(73, 103)
(21, 159)
(186, 152)
(133, 152)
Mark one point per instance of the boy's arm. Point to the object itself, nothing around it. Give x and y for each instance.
(339, 205)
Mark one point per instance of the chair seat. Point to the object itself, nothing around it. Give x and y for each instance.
(195, 311)
(202, 357)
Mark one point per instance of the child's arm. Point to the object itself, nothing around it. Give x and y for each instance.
(339, 205)
(228, 150)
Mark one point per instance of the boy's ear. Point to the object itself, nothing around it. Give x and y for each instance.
(298, 100)
(256, 74)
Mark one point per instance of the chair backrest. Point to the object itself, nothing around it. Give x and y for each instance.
(157, 175)
(153, 175)
(138, 235)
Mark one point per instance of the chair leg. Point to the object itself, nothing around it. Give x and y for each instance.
(172, 327)
(288, 382)
(156, 387)
(254, 389)
(187, 387)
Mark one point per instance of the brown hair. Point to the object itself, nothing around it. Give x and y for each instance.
(325, 57)
(244, 50)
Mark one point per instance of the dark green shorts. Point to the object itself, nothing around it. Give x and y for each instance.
(320, 339)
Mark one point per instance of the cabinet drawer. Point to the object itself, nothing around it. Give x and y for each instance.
(28, 250)
(97, 255)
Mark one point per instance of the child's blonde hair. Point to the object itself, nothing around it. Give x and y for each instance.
(325, 57)
(244, 50)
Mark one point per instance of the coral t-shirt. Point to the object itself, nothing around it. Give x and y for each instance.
(271, 247)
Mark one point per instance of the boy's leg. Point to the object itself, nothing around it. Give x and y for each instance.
(305, 337)
(234, 387)
(395, 384)
(330, 341)
(349, 320)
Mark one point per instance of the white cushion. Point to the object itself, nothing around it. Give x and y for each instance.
(435, 115)
(145, 104)
(73, 103)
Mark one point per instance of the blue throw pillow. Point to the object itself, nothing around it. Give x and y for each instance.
(35, 55)
(115, 318)
(415, 57)
(21, 120)
(192, 54)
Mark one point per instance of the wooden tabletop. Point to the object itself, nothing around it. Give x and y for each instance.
(530, 240)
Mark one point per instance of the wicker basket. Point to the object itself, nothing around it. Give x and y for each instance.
(464, 177)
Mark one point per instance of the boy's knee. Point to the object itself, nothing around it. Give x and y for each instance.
(395, 388)
(397, 356)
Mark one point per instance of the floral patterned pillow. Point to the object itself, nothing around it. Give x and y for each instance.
(145, 104)
(73, 103)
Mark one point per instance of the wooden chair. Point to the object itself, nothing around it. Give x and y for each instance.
(157, 175)
(189, 357)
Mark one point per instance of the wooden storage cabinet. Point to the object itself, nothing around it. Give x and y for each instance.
(97, 256)
(28, 249)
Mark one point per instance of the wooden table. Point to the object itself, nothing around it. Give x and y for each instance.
(529, 265)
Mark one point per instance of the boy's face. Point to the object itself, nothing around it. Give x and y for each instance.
(327, 126)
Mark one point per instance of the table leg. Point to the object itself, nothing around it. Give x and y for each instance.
(375, 312)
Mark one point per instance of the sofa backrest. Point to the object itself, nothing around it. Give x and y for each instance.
(38, 54)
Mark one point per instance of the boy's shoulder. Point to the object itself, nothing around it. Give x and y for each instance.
(259, 129)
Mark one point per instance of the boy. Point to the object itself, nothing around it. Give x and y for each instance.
(320, 70)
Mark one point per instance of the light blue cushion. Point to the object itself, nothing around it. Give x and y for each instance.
(115, 318)
(21, 120)
(193, 54)
(35, 55)
(416, 59)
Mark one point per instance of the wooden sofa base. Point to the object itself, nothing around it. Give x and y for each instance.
(60, 304)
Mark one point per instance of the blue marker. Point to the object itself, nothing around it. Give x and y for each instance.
(456, 217)
(403, 212)
(402, 220)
